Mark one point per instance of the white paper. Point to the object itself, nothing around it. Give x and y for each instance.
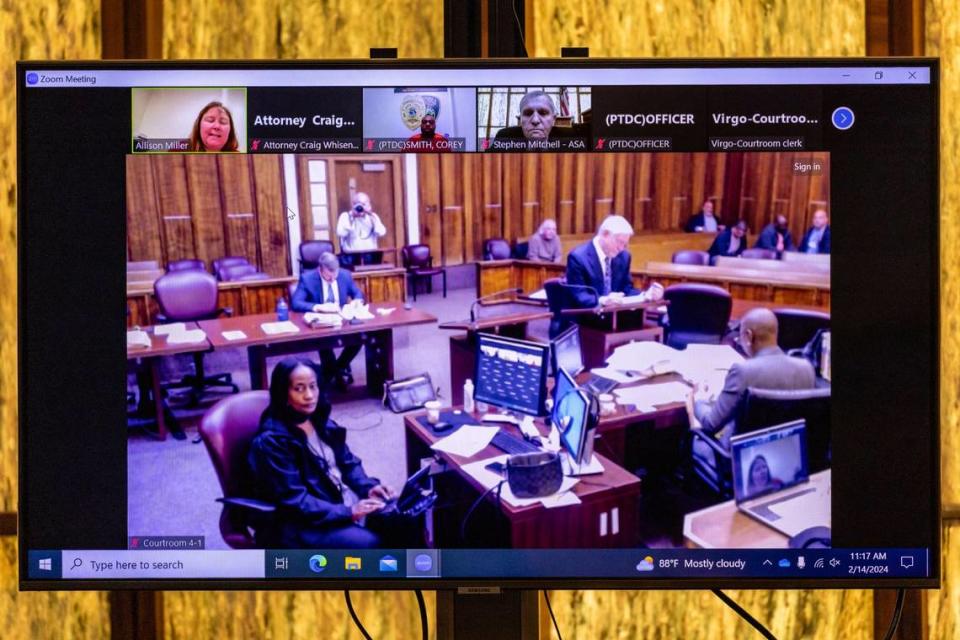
(539, 294)
(385, 311)
(167, 329)
(641, 356)
(187, 337)
(233, 335)
(640, 297)
(323, 319)
(613, 374)
(138, 339)
(467, 441)
(356, 310)
(706, 363)
(560, 500)
(274, 328)
(648, 396)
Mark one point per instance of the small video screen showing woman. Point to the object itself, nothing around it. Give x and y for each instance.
(189, 120)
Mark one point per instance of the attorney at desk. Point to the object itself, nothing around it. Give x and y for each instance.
(329, 288)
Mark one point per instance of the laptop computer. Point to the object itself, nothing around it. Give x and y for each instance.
(414, 498)
(771, 483)
(567, 355)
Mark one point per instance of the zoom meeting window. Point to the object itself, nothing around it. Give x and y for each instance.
(348, 295)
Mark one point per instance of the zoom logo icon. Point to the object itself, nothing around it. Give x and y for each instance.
(318, 563)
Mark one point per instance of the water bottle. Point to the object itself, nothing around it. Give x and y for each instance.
(825, 356)
(468, 404)
(283, 311)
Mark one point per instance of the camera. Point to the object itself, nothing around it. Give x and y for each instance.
(358, 208)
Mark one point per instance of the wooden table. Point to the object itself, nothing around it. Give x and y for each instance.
(607, 498)
(150, 359)
(614, 324)
(376, 336)
(723, 526)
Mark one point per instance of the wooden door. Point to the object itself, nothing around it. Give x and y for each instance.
(380, 177)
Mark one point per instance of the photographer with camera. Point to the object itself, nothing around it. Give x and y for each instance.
(360, 228)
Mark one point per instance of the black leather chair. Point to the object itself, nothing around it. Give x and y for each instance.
(228, 261)
(521, 250)
(419, 265)
(687, 256)
(183, 265)
(310, 252)
(241, 272)
(227, 429)
(185, 296)
(496, 249)
(696, 313)
(760, 409)
(797, 327)
(560, 296)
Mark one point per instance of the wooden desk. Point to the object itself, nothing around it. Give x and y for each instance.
(506, 318)
(748, 284)
(149, 358)
(249, 297)
(612, 496)
(526, 275)
(723, 526)
(375, 335)
(778, 266)
(613, 324)
(644, 246)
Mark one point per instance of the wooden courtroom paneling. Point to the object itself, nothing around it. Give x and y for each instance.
(206, 209)
(239, 223)
(943, 614)
(176, 227)
(272, 214)
(656, 192)
(143, 217)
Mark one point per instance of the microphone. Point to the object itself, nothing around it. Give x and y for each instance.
(476, 303)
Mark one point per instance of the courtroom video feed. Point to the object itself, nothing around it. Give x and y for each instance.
(211, 120)
(419, 119)
(534, 118)
(318, 276)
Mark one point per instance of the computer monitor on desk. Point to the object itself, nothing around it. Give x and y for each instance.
(567, 354)
(512, 374)
(571, 416)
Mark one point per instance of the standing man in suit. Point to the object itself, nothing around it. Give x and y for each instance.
(730, 243)
(767, 367)
(326, 290)
(817, 237)
(604, 264)
(776, 236)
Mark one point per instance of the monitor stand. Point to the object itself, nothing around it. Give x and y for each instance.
(480, 613)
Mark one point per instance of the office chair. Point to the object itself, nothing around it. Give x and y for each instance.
(237, 272)
(521, 250)
(697, 313)
(182, 265)
(686, 256)
(496, 249)
(759, 254)
(560, 296)
(227, 429)
(797, 327)
(419, 265)
(310, 252)
(229, 261)
(185, 296)
(760, 409)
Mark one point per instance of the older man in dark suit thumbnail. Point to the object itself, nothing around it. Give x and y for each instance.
(604, 264)
(767, 367)
(817, 237)
(327, 289)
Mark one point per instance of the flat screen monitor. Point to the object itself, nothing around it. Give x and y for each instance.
(570, 414)
(567, 352)
(769, 460)
(173, 224)
(512, 374)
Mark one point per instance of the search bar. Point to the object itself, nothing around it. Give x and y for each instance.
(138, 565)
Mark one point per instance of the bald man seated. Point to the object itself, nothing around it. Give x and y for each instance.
(767, 367)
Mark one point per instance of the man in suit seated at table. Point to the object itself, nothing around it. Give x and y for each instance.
(817, 237)
(776, 236)
(766, 367)
(730, 243)
(327, 289)
(603, 263)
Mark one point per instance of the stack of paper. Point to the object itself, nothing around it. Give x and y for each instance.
(187, 337)
(356, 310)
(138, 339)
(274, 328)
(706, 363)
(647, 397)
(645, 357)
(467, 441)
(323, 319)
(167, 329)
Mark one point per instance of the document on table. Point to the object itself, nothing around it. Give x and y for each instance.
(167, 329)
(233, 335)
(488, 479)
(707, 363)
(539, 294)
(612, 374)
(647, 397)
(275, 328)
(467, 441)
(187, 337)
(642, 356)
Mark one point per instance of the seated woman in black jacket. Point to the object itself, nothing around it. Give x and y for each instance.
(301, 463)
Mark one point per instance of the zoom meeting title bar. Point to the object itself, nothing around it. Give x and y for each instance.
(453, 77)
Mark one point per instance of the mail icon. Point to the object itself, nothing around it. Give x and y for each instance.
(352, 563)
(388, 564)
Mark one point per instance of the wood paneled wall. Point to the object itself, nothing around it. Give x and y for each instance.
(207, 207)
(465, 199)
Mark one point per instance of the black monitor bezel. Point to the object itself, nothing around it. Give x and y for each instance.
(532, 583)
(544, 373)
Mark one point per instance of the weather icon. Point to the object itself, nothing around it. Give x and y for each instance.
(646, 564)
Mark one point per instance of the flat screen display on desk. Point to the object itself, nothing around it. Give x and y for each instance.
(280, 242)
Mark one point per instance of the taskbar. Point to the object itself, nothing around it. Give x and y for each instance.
(478, 564)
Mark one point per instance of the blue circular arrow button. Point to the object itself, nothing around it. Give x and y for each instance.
(842, 118)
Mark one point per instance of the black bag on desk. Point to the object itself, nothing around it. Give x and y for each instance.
(409, 393)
